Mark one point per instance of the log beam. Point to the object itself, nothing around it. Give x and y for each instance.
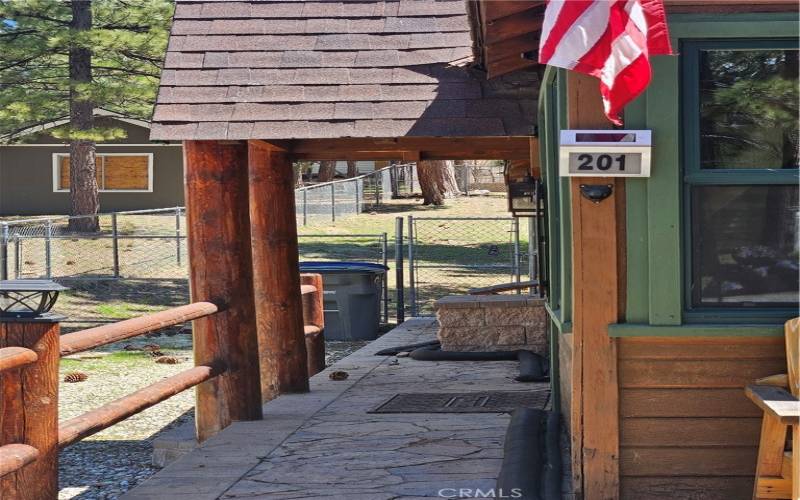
(116, 411)
(222, 273)
(16, 357)
(412, 148)
(16, 456)
(29, 409)
(276, 274)
(92, 338)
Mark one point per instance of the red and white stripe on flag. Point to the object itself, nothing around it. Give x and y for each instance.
(609, 39)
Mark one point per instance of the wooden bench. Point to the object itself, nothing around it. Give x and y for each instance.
(777, 474)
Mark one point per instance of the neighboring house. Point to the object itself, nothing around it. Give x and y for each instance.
(133, 173)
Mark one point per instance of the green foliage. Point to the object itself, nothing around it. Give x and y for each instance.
(749, 108)
(128, 41)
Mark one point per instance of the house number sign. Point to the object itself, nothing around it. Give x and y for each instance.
(604, 153)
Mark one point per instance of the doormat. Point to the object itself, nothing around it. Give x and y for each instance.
(465, 402)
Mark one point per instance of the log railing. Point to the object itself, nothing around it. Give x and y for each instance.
(29, 386)
(16, 455)
(92, 338)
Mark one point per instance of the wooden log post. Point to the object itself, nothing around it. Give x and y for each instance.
(29, 407)
(598, 263)
(314, 321)
(276, 274)
(221, 272)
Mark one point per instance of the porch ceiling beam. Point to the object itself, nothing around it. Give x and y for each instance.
(413, 148)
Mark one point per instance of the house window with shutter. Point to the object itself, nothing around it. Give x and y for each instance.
(114, 172)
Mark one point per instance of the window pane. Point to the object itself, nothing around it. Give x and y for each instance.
(126, 172)
(748, 109)
(744, 244)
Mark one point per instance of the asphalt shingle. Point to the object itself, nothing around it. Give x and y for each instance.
(290, 69)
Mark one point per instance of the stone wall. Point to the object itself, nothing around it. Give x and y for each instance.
(492, 323)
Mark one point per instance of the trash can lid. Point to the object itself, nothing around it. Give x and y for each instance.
(342, 267)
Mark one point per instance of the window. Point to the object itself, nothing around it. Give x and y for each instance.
(120, 172)
(741, 173)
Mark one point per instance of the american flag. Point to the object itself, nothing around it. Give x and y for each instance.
(609, 39)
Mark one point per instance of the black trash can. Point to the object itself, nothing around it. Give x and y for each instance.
(352, 298)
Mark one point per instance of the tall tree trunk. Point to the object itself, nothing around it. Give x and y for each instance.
(297, 169)
(437, 181)
(327, 169)
(352, 169)
(82, 182)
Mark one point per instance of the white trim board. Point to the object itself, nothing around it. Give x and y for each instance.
(149, 174)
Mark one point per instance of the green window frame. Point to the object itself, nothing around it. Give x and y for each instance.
(557, 228)
(693, 175)
(656, 247)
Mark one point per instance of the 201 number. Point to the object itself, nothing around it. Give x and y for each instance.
(604, 162)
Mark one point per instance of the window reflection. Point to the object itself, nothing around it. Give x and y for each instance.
(748, 109)
(744, 245)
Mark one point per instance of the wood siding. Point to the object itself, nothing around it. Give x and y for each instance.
(686, 429)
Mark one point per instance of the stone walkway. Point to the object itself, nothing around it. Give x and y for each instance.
(324, 444)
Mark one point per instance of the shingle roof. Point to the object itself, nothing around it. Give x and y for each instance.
(301, 69)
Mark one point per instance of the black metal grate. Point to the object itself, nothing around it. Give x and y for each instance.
(465, 402)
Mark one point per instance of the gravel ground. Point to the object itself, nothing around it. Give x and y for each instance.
(107, 464)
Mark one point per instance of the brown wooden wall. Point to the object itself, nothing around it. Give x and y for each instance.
(686, 429)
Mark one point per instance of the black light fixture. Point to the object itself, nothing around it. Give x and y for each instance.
(522, 197)
(28, 298)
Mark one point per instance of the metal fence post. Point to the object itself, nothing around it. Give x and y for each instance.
(17, 257)
(358, 196)
(115, 244)
(411, 281)
(178, 234)
(305, 207)
(333, 203)
(398, 270)
(385, 258)
(3, 251)
(533, 251)
(378, 186)
(516, 266)
(48, 235)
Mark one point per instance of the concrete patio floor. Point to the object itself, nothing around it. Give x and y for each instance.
(324, 444)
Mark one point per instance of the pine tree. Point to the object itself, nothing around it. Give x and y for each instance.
(65, 58)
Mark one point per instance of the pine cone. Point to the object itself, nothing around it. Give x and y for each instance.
(339, 375)
(168, 360)
(74, 377)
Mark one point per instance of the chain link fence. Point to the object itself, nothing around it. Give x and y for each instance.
(137, 262)
(476, 176)
(451, 255)
(329, 201)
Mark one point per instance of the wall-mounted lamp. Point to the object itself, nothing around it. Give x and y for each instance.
(522, 197)
(596, 192)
